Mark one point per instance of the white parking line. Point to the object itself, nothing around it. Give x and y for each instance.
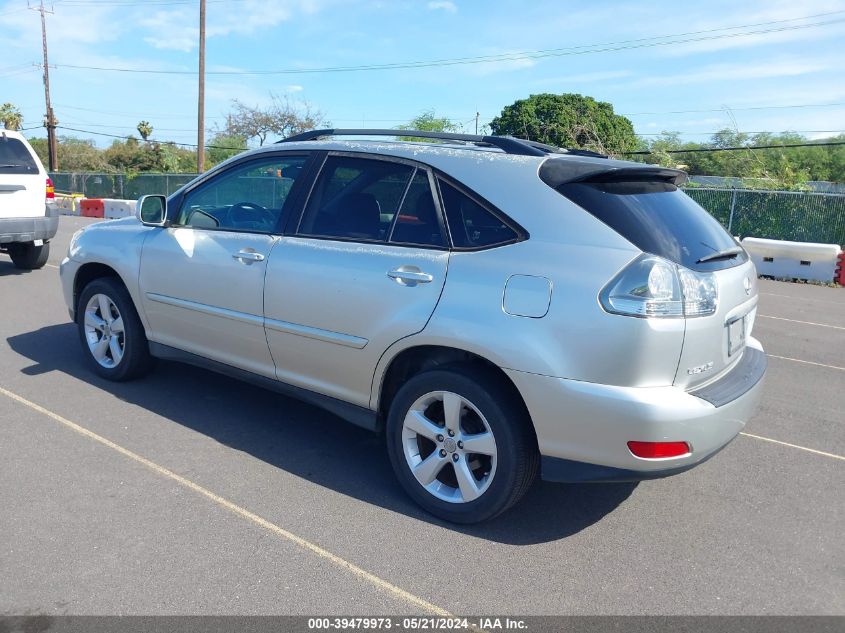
(807, 362)
(336, 560)
(802, 448)
(51, 265)
(774, 294)
(835, 327)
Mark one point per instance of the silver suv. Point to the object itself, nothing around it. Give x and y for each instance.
(497, 307)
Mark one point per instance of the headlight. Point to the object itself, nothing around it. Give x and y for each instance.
(651, 286)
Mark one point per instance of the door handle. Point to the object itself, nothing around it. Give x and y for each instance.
(248, 256)
(409, 276)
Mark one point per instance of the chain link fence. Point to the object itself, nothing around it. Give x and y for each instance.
(121, 186)
(780, 215)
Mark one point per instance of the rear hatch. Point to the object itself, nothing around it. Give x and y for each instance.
(22, 180)
(646, 207)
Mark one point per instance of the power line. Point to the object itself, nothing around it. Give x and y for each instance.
(399, 132)
(740, 132)
(124, 137)
(734, 149)
(772, 107)
(537, 54)
(460, 122)
(163, 115)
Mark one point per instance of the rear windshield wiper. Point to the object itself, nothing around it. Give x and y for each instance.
(728, 253)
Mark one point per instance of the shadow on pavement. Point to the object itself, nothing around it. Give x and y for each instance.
(8, 269)
(310, 443)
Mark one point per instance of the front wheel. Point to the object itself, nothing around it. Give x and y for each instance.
(112, 335)
(28, 256)
(461, 443)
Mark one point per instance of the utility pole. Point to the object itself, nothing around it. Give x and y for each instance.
(201, 100)
(49, 119)
(476, 123)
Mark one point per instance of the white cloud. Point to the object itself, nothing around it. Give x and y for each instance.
(443, 5)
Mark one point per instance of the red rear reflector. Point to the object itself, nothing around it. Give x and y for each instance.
(656, 450)
(51, 190)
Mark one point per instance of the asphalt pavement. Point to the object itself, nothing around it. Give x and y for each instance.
(189, 493)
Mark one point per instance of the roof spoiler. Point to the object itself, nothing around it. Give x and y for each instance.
(558, 172)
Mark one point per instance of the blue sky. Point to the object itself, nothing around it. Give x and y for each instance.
(694, 84)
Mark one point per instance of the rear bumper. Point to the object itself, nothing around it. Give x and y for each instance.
(30, 229)
(583, 428)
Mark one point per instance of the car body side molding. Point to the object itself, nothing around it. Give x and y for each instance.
(359, 416)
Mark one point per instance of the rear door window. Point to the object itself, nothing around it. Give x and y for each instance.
(417, 221)
(657, 218)
(356, 199)
(15, 157)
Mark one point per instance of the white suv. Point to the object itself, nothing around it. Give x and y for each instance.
(494, 306)
(28, 219)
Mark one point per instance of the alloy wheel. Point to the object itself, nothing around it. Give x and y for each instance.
(104, 331)
(449, 447)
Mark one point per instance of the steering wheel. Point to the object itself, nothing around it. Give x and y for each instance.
(253, 216)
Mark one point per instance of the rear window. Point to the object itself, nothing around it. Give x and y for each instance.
(658, 218)
(471, 224)
(15, 157)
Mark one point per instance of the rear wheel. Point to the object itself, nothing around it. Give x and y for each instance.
(111, 333)
(28, 256)
(461, 444)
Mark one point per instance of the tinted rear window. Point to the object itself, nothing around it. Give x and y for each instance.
(657, 218)
(15, 157)
(472, 225)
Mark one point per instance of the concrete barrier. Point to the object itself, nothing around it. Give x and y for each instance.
(793, 260)
(68, 205)
(114, 209)
(92, 208)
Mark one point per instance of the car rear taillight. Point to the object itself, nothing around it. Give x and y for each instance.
(653, 287)
(51, 190)
(659, 450)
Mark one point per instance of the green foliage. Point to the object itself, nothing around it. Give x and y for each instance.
(131, 157)
(428, 122)
(567, 120)
(11, 117)
(74, 154)
(788, 168)
(222, 147)
(145, 129)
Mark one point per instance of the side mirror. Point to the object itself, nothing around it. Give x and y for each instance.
(152, 210)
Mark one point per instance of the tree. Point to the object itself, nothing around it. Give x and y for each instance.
(75, 155)
(280, 118)
(774, 168)
(222, 147)
(145, 129)
(427, 121)
(11, 117)
(567, 120)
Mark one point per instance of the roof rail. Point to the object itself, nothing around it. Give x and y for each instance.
(507, 144)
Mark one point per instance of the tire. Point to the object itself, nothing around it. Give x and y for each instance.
(28, 256)
(115, 346)
(418, 434)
